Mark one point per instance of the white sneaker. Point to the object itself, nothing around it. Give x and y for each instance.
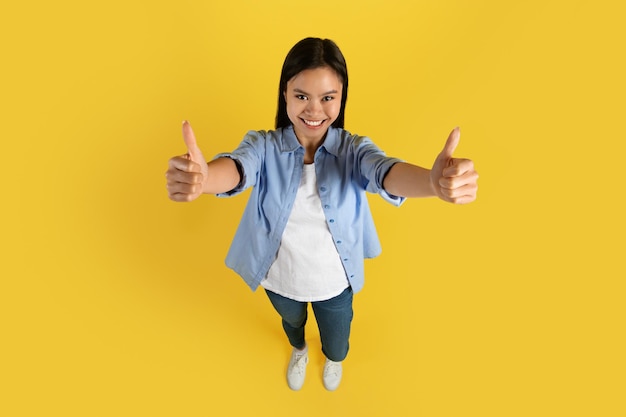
(297, 369)
(332, 374)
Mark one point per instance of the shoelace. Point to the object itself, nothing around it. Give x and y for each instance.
(299, 364)
(332, 369)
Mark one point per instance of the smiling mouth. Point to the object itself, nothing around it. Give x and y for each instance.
(313, 123)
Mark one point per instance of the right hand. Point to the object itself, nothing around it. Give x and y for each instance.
(187, 175)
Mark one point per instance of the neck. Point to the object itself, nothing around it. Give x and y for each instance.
(310, 145)
(309, 151)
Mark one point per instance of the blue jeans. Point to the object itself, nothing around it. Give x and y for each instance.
(333, 317)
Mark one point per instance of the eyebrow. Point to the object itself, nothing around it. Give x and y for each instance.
(297, 90)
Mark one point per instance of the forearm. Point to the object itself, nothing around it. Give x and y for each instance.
(223, 176)
(407, 180)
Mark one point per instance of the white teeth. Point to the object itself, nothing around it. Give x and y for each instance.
(312, 123)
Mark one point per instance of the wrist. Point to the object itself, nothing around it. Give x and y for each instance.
(433, 186)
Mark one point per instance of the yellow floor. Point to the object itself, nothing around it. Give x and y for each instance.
(115, 301)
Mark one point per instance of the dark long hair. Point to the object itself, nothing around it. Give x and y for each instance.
(311, 53)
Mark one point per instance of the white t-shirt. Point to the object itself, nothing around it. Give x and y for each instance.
(307, 266)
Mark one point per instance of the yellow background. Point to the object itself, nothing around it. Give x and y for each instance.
(115, 301)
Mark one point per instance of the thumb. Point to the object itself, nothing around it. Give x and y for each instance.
(451, 143)
(190, 141)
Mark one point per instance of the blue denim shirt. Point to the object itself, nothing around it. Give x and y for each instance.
(346, 166)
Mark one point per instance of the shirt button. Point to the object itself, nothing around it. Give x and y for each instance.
(326, 206)
(322, 188)
(332, 220)
(339, 242)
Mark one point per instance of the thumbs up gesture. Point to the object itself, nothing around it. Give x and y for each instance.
(187, 175)
(453, 179)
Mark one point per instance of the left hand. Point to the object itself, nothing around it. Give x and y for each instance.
(453, 179)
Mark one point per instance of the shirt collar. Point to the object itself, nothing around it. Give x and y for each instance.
(332, 141)
(290, 141)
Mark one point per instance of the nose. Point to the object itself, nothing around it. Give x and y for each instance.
(313, 107)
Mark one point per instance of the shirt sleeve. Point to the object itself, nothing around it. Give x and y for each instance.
(373, 165)
(249, 158)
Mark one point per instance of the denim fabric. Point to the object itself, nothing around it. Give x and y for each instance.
(333, 317)
(347, 166)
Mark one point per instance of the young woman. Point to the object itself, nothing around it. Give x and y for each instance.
(307, 226)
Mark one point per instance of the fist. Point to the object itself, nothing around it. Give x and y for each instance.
(454, 179)
(187, 174)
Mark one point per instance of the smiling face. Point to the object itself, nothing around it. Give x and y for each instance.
(313, 99)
